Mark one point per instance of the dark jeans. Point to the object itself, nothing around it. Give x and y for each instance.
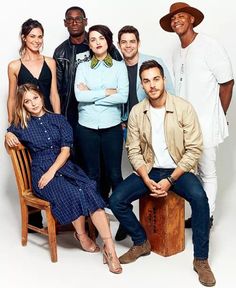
(101, 145)
(187, 186)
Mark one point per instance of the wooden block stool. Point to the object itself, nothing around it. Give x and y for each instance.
(163, 221)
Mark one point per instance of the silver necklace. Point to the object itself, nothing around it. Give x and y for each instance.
(183, 57)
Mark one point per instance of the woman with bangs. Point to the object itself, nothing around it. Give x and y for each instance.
(72, 195)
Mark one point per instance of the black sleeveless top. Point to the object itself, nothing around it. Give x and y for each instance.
(43, 82)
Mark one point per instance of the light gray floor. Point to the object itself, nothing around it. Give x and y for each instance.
(30, 266)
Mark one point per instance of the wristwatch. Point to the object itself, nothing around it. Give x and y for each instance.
(171, 180)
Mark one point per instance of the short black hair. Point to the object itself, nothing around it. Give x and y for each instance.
(150, 64)
(75, 8)
(128, 29)
(106, 32)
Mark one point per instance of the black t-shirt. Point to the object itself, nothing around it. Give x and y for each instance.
(81, 53)
(132, 74)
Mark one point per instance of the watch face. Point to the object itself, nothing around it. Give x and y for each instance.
(171, 180)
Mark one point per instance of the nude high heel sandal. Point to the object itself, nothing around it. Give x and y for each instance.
(111, 260)
(93, 248)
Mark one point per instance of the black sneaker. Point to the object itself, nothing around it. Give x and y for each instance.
(188, 222)
(120, 234)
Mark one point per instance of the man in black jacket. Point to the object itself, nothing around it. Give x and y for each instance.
(68, 55)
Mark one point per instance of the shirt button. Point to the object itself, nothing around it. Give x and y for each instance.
(45, 131)
(41, 123)
(49, 138)
(51, 147)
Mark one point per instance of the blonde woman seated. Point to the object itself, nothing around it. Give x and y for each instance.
(72, 194)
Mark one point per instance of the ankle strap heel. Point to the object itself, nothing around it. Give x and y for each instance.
(93, 247)
(106, 238)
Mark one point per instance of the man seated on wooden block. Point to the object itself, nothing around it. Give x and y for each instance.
(164, 143)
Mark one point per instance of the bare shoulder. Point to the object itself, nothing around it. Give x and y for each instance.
(49, 60)
(14, 65)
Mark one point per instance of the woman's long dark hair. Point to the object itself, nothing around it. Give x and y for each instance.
(26, 28)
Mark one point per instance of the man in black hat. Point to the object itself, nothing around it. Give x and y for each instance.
(203, 76)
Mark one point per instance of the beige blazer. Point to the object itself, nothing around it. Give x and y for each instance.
(182, 133)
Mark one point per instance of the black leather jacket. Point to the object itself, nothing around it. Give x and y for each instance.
(65, 56)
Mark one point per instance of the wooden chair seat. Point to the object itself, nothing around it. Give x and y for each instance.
(30, 203)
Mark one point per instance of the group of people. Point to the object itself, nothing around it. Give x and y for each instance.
(101, 94)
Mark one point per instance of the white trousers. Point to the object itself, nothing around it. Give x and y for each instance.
(207, 173)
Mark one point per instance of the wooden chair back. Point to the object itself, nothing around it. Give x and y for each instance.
(21, 161)
(30, 203)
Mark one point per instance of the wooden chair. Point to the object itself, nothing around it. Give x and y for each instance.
(30, 203)
(163, 221)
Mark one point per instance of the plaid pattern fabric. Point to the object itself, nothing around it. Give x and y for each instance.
(71, 193)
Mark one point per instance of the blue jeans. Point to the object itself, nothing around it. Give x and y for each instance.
(187, 186)
(97, 144)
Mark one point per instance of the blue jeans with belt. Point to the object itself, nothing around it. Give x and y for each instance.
(187, 186)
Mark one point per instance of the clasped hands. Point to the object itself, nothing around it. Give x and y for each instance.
(158, 189)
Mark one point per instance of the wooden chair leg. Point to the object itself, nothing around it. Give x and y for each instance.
(52, 235)
(24, 223)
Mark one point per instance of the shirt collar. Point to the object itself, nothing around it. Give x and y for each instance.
(107, 61)
(169, 106)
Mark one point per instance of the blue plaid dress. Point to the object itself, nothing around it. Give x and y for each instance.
(71, 193)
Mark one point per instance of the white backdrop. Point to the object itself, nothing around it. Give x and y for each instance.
(219, 22)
